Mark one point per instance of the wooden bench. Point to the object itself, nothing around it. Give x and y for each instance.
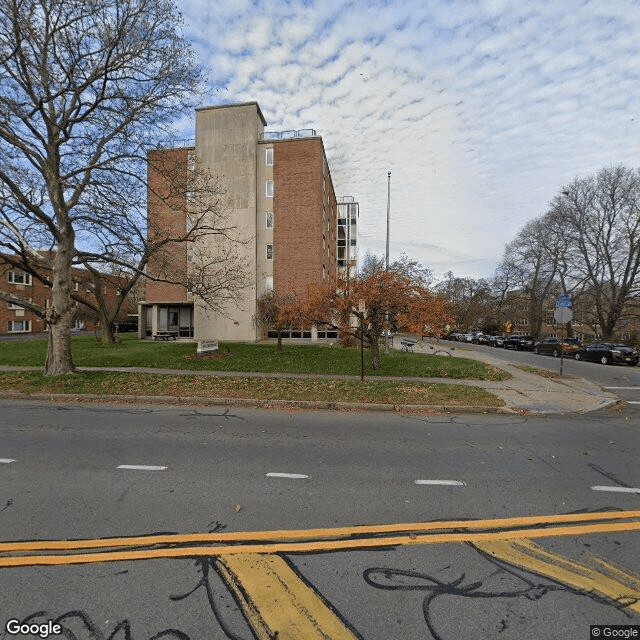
(165, 335)
(407, 345)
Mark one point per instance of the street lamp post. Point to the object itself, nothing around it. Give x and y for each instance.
(386, 255)
(386, 262)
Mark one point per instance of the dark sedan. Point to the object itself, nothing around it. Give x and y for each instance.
(520, 343)
(608, 353)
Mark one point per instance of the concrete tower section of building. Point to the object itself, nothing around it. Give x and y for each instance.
(279, 194)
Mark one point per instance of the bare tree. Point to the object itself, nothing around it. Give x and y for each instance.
(404, 266)
(86, 88)
(531, 260)
(599, 217)
(472, 301)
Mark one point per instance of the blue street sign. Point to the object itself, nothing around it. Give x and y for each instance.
(564, 301)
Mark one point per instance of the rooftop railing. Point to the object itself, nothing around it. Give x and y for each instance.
(181, 143)
(284, 135)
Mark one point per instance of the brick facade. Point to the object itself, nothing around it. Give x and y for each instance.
(166, 203)
(304, 233)
(14, 319)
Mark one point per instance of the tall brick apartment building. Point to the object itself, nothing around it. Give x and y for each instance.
(278, 187)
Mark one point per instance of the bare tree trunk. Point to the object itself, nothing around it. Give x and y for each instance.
(60, 316)
(108, 335)
(375, 352)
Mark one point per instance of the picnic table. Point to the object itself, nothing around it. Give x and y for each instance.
(165, 335)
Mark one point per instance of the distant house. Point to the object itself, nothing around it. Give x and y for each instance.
(15, 319)
(517, 310)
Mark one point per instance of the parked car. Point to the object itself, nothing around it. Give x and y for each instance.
(466, 337)
(556, 346)
(496, 341)
(608, 353)
(520, 343)
(480, 338)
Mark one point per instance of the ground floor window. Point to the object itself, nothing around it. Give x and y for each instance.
(19, 326)
(176, 318)
(290, 333)
(327, 334)
(293, 334)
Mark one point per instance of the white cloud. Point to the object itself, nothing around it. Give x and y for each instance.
(482, 109)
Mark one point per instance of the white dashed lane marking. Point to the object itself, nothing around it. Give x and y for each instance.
(294, 476)
(617, 489)
(141, 467)
(623, 388)
(6, 460)
(445, 483)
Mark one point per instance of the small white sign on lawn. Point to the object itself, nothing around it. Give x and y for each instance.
(207, 346)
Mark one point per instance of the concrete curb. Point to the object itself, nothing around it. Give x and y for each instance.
(251, 402)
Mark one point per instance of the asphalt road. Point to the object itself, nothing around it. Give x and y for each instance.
(91, 472)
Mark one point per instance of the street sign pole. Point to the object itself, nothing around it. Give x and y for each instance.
(562, 351)
(562, 315)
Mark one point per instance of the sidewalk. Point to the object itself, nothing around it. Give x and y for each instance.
(524, 392)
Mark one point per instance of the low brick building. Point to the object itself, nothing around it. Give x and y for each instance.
(15, 319)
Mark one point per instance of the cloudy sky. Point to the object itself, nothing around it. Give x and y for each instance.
(481, 110)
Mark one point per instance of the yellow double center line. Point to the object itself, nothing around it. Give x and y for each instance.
(67, 552)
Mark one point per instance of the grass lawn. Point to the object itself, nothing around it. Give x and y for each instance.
(274, 389)
(87, 352)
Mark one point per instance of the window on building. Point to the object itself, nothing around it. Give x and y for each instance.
(269, 189)
(269, 252)
(19, 277)
(268, 216)
(269, 283)
(14, 306)
(19, 326)
(269, 157)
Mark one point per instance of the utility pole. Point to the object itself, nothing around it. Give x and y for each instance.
(386, 264)
(386, 255)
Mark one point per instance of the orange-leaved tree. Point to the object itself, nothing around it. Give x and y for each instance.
(276, 312)
(366, 305)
